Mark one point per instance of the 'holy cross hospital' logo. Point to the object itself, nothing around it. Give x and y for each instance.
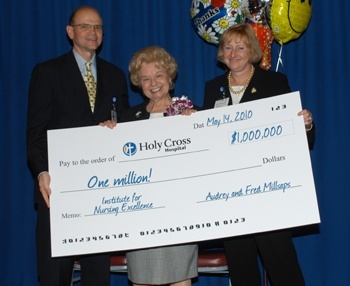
(129, 149)
(169, 145)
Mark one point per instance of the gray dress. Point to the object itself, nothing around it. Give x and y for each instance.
(163, 265)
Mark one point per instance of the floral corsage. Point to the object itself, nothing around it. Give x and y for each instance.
(178, 105)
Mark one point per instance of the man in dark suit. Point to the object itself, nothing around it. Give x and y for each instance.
(58, 98)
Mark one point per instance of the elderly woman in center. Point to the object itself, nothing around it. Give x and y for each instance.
(153, 71)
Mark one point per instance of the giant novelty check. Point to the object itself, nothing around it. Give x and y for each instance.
(223, 172)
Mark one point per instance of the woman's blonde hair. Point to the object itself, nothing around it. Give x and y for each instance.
(244, 33)
(152, 54)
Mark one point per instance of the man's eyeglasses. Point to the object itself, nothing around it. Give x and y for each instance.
(87, 27)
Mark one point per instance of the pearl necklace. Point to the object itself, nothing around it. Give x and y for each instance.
(244, 87)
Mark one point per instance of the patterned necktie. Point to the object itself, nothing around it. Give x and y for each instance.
(90, 85)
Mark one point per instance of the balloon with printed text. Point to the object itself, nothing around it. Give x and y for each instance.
(210, 19)
(280, 20)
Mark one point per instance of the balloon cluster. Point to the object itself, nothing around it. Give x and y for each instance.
(280, 20)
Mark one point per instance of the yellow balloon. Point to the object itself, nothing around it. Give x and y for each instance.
(289, 18)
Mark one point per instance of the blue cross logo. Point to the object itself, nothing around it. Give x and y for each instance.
(129, 149)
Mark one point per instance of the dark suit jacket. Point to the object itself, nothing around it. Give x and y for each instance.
(262, 85)
(58, 99)
(137, 112)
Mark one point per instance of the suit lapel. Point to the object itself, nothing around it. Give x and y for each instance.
(75, 81)
(100, 85)
(251, 91)
(224, 85)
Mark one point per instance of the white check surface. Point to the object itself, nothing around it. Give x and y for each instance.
(217, 173)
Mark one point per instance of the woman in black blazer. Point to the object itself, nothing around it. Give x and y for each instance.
(240, 51)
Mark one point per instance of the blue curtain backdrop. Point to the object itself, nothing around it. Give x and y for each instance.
(317, 64)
